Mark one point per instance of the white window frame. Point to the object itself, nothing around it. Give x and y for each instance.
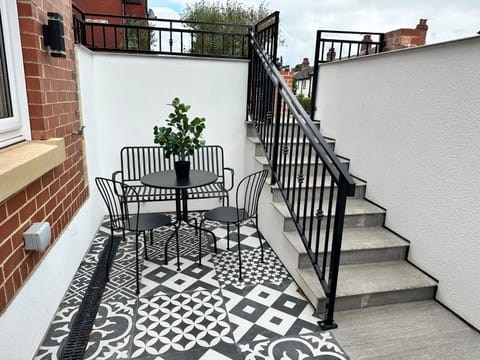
(17, 127)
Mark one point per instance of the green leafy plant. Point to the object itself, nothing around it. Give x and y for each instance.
(181, 136)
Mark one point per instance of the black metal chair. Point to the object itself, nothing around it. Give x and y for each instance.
(246, 207)
(114, 194)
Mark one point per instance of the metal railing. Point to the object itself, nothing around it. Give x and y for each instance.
(115, 33)
(332, 45)
(311, 179)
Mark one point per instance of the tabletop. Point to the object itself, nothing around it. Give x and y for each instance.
(168, 179)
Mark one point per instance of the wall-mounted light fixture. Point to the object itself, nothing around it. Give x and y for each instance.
(53, 35)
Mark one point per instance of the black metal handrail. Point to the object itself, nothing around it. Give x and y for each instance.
(301, 163)
(107, 32)
(341, 45)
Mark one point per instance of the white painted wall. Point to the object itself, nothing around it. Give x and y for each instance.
(132, 93)
(409, 122)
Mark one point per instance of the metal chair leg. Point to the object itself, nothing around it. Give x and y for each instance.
(239, 252)
(110, 254)
(166, 245)
(136, 264)
(145, 244)
(259, 236)
(228, 236)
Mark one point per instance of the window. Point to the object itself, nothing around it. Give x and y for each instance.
(304, 84)
(14, 124)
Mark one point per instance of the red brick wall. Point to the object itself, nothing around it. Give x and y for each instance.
(288, 76)
(54, 112)
(99, 36)
(405, 38)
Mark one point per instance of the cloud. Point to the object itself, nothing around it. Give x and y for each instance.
(300, 19)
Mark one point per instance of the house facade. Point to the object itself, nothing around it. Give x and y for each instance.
(42, 173)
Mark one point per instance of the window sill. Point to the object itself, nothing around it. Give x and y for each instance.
(24, 163)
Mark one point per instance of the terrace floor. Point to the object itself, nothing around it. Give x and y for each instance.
(200, 312)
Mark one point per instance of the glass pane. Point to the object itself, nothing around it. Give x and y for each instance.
(5, 99)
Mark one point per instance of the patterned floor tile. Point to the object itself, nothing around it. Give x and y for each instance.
(312, 346)
(253, 270)
(57, 333)
(200, 312)
(266, 311)
(112, 331)
(169, 325)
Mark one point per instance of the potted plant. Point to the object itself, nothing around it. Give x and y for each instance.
(180, 137)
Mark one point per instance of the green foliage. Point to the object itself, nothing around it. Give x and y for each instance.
(181, 136)
(297, 68)
(233, 12)
(306, 102)
(136, 37)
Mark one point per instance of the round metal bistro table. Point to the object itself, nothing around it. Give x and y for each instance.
(168, 180)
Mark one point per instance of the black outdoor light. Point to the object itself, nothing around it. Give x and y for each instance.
(53, 35)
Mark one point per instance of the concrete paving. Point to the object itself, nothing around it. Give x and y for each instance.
(415, 330)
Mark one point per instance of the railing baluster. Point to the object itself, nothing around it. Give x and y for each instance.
(285, 140)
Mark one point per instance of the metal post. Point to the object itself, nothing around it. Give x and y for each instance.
(276, 137)
(329, 323)
(313, 103)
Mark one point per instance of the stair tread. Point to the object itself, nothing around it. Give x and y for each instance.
(256, 140)
(354, 207)
(309, 180)
(262, 159)
(359, 238)
(359, 279)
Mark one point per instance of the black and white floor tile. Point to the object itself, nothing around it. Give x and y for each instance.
(200, 312)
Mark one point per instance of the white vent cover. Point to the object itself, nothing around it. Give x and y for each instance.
(38, 236)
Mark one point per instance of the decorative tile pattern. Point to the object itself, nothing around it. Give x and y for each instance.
(200, 312)
(311, 346)
(253, 270)
(112, 332)
(168, 324)
(57, 333)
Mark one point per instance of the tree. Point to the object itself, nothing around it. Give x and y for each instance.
(233, 12)
(137, 35)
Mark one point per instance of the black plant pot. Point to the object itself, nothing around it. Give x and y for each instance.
(182, 169)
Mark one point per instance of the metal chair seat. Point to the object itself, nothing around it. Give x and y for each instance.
(147, 222)
(226, 215)
(247, 197)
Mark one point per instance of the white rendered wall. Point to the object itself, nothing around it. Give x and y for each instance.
(131, 94)
(409, 121)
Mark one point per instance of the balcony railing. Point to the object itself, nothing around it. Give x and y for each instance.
(107, 32)
(312, 180)
(332, 45)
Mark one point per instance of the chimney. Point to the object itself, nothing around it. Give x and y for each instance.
(422, 25)
(405, 38)
(331, 55)
(305, 64)
(366, 43)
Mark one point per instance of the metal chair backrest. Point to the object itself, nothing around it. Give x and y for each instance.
(249, 190)
(138, 161)
(113, 194)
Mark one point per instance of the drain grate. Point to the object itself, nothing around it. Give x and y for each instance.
(77, 340)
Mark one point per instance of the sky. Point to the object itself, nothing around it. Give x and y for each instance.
(300, 19)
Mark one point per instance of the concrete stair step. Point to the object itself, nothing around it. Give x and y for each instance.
(365, 285)
(360, 188)
(251, 131)
(298, 165)
(359, 246)
(259, 151)
(358, 213)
